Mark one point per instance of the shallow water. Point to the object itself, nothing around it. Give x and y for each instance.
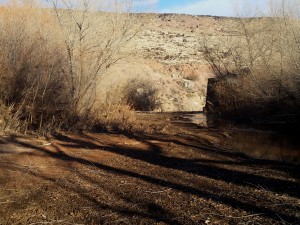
(266, 144)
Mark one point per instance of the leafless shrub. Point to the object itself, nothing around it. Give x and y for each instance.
(92, 42)
(261, 61)
(52, 60)
(32, 81)
(142, 95)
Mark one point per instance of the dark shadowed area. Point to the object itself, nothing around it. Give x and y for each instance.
(182, 178)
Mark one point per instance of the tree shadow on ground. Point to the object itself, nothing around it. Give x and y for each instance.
(232, 157)
(196, 166)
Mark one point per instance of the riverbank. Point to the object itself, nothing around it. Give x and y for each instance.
(177, 175)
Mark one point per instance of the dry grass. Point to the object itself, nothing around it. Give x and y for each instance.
(52, 62)
(8, 119)
(114, 117)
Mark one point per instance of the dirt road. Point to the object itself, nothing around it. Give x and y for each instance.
(179, 178)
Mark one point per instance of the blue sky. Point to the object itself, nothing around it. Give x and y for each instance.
(164, 4)
(204, 7)
(198, 7)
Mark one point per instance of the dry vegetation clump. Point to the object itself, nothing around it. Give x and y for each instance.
(142, 95)
(33, 84)
(8, 119)
(113, 117)
(259, 69)
(120, 117)
(51, 61)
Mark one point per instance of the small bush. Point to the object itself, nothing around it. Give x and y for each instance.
(142, 95)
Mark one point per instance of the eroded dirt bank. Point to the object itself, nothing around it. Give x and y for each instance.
(175, 178)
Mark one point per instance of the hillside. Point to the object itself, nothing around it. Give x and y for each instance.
(166, 53)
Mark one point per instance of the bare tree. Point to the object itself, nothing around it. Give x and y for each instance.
(94, 34)
(264, 57)
(52, 59)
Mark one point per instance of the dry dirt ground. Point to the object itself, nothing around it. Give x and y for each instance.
(175, 178)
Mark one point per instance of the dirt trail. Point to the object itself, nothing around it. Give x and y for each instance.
(177, 178)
